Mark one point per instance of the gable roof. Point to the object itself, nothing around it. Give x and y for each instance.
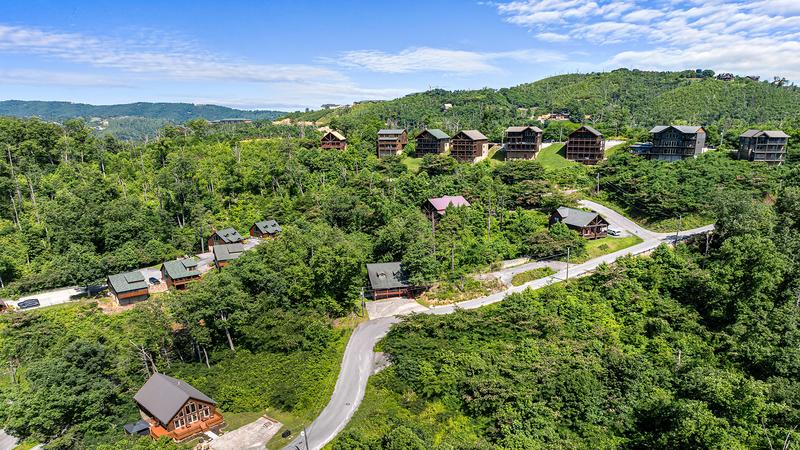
(163, 396)
(474, 135)
(127, 282)
(435, 132)
(391, 131)
(387, 275)
(576, 217)
(181, 268)
(523, 128)
(335, 134)
(767, 133)
(228, 252)
(590, 130)
(440, 204)
(269, 226)
(685, 129)
(229, 235)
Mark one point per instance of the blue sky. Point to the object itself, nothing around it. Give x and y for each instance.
(291, 55)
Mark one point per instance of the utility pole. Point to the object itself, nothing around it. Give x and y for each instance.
(598, 182)
(680, 225)
(567, 263)
(305, 436)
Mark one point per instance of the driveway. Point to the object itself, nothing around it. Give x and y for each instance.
(254, 435)
(359, 355)
(7, 442)
(393, 307)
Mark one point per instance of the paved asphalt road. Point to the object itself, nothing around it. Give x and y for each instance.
(7, 442)
(359, 355)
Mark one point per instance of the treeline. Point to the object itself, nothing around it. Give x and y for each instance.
(694, 347)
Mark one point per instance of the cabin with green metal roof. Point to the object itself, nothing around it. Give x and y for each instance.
(431, 142)
(177, 274)
(129, 287)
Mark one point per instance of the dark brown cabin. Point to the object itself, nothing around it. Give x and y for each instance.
(333, 140)
(389, 280)
(763, 146)
(391, 142)
(590, 225)
(432, 142)
(469, 146)
(523, 142)
(676, 142)
(266, 228)
(224, 236)
(586, 145)
(177, 274)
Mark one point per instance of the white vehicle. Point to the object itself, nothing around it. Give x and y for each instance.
(614, 232)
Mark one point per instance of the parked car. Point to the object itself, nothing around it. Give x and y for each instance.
(29, 303)
(614, 232)
(154, 280)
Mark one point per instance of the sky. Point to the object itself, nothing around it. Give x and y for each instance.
(289, 55)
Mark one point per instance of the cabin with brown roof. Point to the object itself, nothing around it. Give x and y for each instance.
(589, 225)
(469, 146)
(523, 142)
(333, 140)
(585, 145)
(676, 142)
(391, 142)
(176, 409)
(431, 142)
(767, 146)
(128, 288)
(177, 274)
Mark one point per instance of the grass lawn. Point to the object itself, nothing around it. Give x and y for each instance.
(412, 164)
(238, 420)
(604, 246)
(610, 151)
(530, 275)
(670, 225)
(496, 155)
(448, 292)
(552, 157)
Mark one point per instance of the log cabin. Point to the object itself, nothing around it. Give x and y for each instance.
(176, 409)
(128, 288)
(767, 146)
(523, 142)
(469, 146)
(431, 142)
(389, 280)
(225, 253)
(391, 142)
(333, 140)
(589, 225)
(676, 142)
(224, 236)
(177, 274)
(585, 145)
(265, 228)
(435, 208)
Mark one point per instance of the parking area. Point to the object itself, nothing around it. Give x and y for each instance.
(254, 435)
(393, 307)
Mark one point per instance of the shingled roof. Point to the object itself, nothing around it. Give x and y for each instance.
(768, 133)
(337, 135)
(440, 204)
(436, 133)
(474, 135)
(269, 226)
(387, 275)
(391, 131)
(163, 396)
(228, 252)
(576, 217)
(591, 130)
(127, 282)
(685, 129)
(523, 128)
(181, 268)
(229, 235)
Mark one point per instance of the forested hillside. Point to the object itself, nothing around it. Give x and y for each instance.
(621, 102)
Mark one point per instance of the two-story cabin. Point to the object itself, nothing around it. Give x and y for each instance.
(265, 228)
(391, 142)
(334, 140)
(585, 145)
(431, 142)
(590, 225)
(435, 208)
(224, 236)
(767, 146)
(129, 287)
(676, 142)
(523, 142)
(388, 280)
(225, 253)
(469, 146)
(176, 409)
(180, 272)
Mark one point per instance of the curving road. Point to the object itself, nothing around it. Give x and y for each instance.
(358, 360)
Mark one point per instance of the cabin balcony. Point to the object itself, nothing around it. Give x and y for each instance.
(183, 433)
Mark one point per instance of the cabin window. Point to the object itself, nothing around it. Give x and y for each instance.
(206, 412)
(179, 423)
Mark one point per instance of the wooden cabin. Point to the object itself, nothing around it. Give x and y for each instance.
(523, 142)
(224, 236)
(389, 280)
(225, 253)
(333, 139)
(432, 142)
(266, 228)
(435, 208)
(176, 409)
(676, 142)
(177, 274)
(391, 142)
(763, 146)
(129, 287)
(586, 145)
(469, 146)
(588, 224)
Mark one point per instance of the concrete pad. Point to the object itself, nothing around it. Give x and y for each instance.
(393, 307)
(254, 435)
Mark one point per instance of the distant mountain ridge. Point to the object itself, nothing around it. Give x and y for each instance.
(172, 112)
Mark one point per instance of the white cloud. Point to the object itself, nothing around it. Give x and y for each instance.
(642, 15)
(48, 78)
(426, 59)
(552, 37)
